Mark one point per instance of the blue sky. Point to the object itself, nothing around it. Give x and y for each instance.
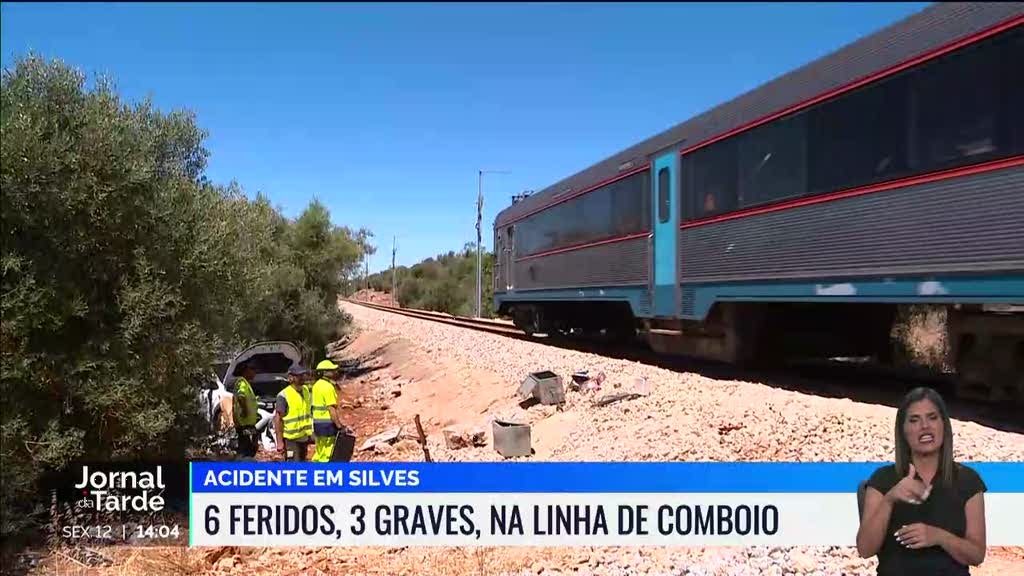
(386, 112)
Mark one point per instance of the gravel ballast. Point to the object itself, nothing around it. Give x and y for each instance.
(684, 417)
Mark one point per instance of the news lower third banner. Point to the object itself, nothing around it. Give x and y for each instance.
(551, 504)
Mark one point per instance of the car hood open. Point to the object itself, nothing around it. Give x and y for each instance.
(271, 360)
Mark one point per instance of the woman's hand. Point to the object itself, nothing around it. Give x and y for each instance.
(909, 489)
(919, 535)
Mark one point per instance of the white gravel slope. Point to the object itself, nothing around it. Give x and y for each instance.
(686, 417)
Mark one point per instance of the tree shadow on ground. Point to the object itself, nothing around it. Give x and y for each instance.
(364, 364)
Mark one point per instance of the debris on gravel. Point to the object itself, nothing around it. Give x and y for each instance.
(456, 438)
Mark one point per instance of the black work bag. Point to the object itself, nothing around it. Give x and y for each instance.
(344, 447)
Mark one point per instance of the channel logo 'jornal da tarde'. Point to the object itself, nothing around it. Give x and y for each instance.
(100, 490)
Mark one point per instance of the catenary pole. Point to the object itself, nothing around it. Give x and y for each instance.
(479, 239)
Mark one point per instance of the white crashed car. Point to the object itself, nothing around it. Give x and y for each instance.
(271, 360)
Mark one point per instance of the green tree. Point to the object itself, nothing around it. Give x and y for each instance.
(113, 280)
(124, 271)
(445, 283)
(309, 263)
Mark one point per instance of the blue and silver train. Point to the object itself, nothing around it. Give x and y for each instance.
(797, 218)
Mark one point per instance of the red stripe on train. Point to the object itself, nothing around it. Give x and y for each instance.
(571, 195)
(920, 59)
(860, 191)
(587, 245)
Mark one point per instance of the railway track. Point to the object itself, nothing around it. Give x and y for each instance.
(862, 382)
(493, 326)
(636, 351)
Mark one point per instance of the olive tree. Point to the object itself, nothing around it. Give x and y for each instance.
(124, 270)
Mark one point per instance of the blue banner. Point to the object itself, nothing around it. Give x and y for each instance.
(561, 477)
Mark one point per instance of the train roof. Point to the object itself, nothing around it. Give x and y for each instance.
(924, 32)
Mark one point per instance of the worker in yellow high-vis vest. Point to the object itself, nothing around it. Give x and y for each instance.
(293, 419)
(326, 415)
(244, 411)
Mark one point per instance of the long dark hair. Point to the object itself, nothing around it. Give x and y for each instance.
(903, 448)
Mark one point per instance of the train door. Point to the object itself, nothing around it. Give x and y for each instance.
(509, 255)
(665, 217)
(498, 275)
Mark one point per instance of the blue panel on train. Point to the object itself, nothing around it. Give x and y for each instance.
(665, 205)
(1002, 288)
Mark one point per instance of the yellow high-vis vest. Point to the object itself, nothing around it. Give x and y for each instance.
(298, 422)
(245, 394)
(324, 396)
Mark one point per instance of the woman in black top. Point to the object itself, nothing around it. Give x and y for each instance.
(926, 513)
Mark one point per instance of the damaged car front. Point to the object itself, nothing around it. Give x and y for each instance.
(271, 361)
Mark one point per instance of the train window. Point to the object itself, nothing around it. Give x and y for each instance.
(859, 138)
(644, 190)
(664, 195)
(960, 109)
(1013, 92)
(713, 179)
(629, 200)
(684, 189)
(957, 101)
(593, 217)
(610, 211)
(621, 214)
(773, 161)
(532, 238)
(523, 245)
(584, 217)
(549, 225)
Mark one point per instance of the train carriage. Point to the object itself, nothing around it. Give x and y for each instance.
(798, 216)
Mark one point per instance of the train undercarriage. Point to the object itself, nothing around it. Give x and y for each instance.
(986, 347)
(982, 346)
